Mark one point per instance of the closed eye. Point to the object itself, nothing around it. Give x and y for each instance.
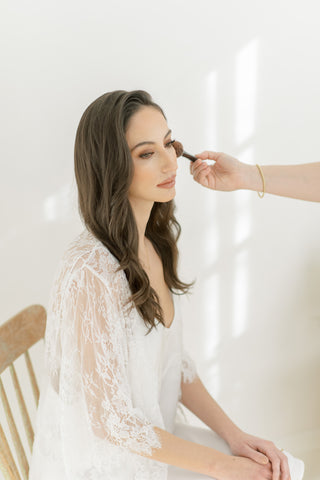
(169, 144)
(148, 154)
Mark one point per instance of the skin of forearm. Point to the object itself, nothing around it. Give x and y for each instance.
(295, 181)
(188, 455)
(198, 400)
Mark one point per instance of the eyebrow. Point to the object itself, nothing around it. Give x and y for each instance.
(149, 143)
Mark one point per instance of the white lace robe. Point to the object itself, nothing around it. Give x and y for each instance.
(107, 383)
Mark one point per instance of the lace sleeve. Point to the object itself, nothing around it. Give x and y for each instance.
(188, 368)
(101, 363)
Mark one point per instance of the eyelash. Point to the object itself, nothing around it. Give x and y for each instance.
(168, 145)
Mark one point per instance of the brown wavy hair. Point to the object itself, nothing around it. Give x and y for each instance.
(104, 171)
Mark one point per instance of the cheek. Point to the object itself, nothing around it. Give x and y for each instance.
(143, 177)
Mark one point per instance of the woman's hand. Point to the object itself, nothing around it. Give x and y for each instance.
(239, 468)
(226, 174)
(263, 452)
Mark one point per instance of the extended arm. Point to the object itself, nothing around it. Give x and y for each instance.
(227, 174)
(294, 181)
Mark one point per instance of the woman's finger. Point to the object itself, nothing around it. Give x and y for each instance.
(284, 467)
(275, 461)
(258, 457)
(280, 465)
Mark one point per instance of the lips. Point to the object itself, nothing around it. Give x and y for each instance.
(169, 181)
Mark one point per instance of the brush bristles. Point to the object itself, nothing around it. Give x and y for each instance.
(179, 151)
(178, 148)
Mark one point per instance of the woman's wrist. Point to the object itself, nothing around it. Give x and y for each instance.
(232, 434)
(225, 466)
(250, 178)
(219, 465)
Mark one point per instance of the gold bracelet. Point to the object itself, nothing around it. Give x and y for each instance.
(261, 195)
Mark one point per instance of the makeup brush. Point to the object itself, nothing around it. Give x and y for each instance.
(180, 152)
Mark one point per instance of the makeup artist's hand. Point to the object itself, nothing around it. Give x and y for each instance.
(226, 174)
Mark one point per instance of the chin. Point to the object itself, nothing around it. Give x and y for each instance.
(166, 198)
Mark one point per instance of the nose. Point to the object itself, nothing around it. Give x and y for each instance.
(169, 160)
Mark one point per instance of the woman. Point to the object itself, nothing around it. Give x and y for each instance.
(115, 364)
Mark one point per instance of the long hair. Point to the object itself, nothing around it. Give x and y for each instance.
(104, 171)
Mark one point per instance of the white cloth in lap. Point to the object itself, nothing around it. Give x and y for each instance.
(107, 383)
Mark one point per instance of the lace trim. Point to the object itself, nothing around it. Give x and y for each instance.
(188, 368)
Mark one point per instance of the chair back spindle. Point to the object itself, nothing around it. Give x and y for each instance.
(17, 335)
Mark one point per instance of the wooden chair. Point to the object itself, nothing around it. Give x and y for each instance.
(17, 335)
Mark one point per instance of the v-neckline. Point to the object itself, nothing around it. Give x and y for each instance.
(174, 314)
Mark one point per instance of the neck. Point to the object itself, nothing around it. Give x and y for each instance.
(141, 211)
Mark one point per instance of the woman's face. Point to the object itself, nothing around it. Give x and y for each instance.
(153, 155)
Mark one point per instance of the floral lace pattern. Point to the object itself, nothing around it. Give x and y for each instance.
(101, 411)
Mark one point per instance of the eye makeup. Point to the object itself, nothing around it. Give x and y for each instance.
(148, 154)
(180, 152)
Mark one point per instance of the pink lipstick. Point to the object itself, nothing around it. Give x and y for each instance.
(169, 183)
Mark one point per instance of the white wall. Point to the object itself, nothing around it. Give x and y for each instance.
(241, 77)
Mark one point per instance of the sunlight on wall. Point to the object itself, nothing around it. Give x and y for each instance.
(240, 300)
(246, 88)
(211, 295)
(244, 129)
(243, 218)
(243, 228)
(245, 104)
(211, 289)
(211, 109)
(212, 285)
